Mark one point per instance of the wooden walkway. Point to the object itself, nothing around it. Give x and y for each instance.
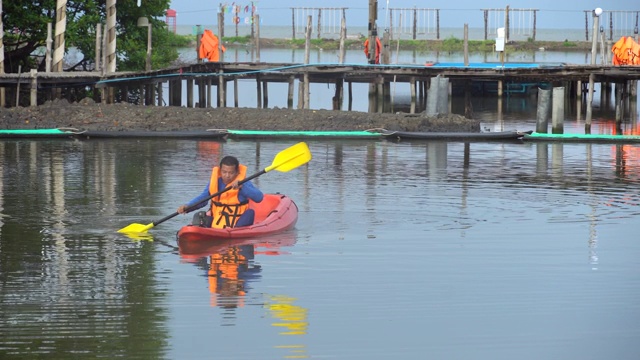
(208, 75)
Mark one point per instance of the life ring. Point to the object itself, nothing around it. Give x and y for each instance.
(378, 49)
(236, 20)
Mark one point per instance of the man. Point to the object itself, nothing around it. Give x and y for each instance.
(231, 208)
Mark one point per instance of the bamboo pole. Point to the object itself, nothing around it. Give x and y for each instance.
(111, 36)
(98, 47)
(307, 49)
(61, 24)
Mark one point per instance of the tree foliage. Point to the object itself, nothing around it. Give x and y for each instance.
(25, 25)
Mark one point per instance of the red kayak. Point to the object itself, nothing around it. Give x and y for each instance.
(275, 213)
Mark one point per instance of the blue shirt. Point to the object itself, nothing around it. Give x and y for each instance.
(247, 192)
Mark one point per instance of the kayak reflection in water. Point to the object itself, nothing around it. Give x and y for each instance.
(231, 208)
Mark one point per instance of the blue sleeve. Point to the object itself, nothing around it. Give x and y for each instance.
(200, 198)
(248, 191)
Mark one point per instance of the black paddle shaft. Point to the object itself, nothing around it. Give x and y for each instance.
(194, 206)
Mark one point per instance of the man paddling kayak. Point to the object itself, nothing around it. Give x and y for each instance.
(231, 208)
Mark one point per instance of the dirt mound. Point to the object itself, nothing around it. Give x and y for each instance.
(88, 115)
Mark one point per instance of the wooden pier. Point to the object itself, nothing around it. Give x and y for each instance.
(197, 82)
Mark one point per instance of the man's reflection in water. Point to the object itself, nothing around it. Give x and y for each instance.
(228, 272)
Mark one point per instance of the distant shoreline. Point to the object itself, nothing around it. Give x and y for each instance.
(451, 44)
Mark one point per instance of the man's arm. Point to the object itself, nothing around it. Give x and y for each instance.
(200, 198)
(248, 191)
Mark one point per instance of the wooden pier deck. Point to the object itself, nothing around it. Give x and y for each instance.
(208, 75)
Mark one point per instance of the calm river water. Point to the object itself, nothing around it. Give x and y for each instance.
(440, 250)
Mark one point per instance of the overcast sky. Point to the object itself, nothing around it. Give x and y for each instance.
(551, 14)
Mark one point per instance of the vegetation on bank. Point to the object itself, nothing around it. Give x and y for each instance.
(451, 44)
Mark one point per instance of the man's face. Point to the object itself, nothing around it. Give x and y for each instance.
(228, 173)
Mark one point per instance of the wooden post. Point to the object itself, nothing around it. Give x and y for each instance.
(412, 88)
(34, 87)
(466, 45)
(202, 93)
(198, 42)
(380, 100)
(587, 123)
(415, 23)
(290, 92)
(208, 103)
(301, 93)
(506, 24)
(257, 38)
(220, 31)
(594, 39)
(337, 96)
(190, 92)
(258, 92)
(438, 24)
(373, 32)
(160, 94)
(319, 22)
(535, 12)
(222, 90)
(350, 95)
(265, 95)
(235, 92)
(468, 109)
(18, 86)
(486, 24)
(143, 95)
(620, 87)
(98, 57)
(2, 92)
(293, 23)
(343, 36)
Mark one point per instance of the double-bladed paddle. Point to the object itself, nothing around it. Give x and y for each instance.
(285, 161)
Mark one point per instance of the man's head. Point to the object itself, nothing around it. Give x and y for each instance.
(229, 168)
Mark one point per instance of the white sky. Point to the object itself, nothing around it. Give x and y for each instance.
(551, 14)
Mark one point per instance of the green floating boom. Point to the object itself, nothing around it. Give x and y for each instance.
(583, 137)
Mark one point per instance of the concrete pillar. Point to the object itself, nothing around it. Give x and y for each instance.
(557, 111)
(542, 116)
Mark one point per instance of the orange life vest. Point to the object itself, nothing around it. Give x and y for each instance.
(209, 47)
(226, 208)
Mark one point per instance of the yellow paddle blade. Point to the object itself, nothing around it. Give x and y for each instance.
(290, 158)
(136, 228)
(145, 236)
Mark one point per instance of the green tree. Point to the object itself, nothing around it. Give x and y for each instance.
(25, 25)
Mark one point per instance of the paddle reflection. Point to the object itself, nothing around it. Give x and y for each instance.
(229, 264)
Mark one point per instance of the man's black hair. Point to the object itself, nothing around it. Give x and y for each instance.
(230, 161)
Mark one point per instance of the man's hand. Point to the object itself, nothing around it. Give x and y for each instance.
(182, 209)
(234, 185)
